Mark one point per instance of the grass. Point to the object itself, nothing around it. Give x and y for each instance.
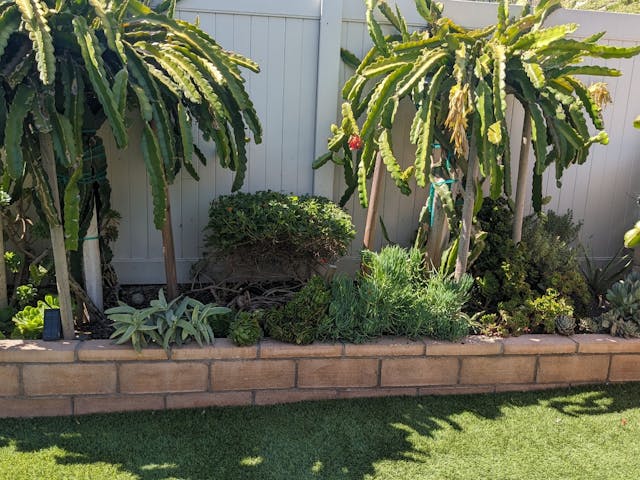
(585, 433)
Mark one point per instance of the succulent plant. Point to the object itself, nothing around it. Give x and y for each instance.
(565, 325)
(245, 328)
(623, 317)
(590, 325)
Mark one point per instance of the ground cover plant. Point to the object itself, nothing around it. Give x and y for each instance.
(579, 434)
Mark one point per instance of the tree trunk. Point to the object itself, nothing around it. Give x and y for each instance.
(374, 197)
(4, 301)
(57, 241)
(168, 252)
(523, 170)
(91, 264)
(467, 211)
(438, 234)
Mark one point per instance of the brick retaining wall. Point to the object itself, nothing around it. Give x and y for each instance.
(73, 378)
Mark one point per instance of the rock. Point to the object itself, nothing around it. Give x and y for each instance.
(137, 299)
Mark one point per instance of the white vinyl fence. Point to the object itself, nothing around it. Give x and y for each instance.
(297, 95)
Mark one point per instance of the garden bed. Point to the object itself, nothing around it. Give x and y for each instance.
(80, 377)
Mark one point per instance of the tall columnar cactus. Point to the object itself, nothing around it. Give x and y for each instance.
(459, 80)
(67, 67)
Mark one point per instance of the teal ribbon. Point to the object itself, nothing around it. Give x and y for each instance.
(432, 191)
(432, 187)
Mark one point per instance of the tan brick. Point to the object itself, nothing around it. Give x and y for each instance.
(222, 349)
(61, 379)
(405, 372)
(106, 350)
(529, 387)
(271, 397)
(37, 351)
(625, 368)
(385, 347)
(152, 377)
(473, 345)
(539, 345)
(35, 407)
(496, 370)
(206, 399)
(596, 343)
(359, 372)
(253, 374)
(457, 390)
(117, 403)
(573, 368)
(377, 392)
(9, 380)
(274, 349)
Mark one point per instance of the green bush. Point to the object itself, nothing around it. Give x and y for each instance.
(245, 328)
(513, 281)
(298, 320)
(395, 296)
(255, 225)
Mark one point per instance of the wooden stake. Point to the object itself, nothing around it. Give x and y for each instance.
(523, 170)
(57, 240)
(467, 212)
(91, 264)
(168, 251)
(374, 197)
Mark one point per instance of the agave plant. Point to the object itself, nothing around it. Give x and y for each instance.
(67, 67)
(459, 80)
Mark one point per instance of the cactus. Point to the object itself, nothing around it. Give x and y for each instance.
(565, 325)
(245, 329)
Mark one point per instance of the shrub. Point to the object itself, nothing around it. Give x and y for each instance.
(164, 323)
(395, 296)
(298, 320)
(262, 225)
(513, 282)
(245, 328)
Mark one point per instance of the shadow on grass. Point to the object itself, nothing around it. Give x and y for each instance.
(329, 440)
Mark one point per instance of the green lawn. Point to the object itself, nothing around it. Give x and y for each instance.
(588, 433)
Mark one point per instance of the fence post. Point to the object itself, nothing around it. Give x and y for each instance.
(327, 90)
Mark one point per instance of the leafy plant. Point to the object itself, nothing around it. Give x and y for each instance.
(164, 323)
(546, 309)
(29, 322)
(509, 275)
(255, 226)
(459, 79)
(600, 279)
(245, 329)
(395, 295)
(67, 67)
(297, 321)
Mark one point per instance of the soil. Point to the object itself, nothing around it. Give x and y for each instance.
(238, 295)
